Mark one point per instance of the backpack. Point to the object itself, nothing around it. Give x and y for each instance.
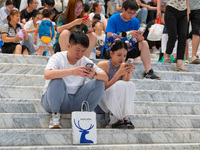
(45, 30)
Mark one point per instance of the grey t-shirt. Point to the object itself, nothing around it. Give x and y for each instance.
(194, 4)
(8, 29)
(114, 2)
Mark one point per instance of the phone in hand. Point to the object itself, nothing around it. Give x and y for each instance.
(89, 65)
(129, 62)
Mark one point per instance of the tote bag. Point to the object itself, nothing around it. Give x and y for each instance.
(84, 126)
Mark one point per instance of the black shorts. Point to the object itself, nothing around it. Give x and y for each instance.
(195, 21)
(10, 48)
(134, 53)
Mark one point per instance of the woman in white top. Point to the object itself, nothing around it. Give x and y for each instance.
(97, 9)
(176, 18)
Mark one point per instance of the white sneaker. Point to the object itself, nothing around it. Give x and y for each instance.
(55, 121)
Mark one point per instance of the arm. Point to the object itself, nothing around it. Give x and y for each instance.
(127, 76)
(188, 10)
(158, 8)
(30, 31)
(24, 21)
(7, 39)
(36, 33)
(69, 25)
(26, 35)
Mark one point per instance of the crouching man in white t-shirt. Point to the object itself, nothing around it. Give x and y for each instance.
(66, 91)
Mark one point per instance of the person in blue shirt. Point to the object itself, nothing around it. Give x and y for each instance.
(127, 22)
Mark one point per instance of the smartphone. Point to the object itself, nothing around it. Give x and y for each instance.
(89, 65)
(129, 61)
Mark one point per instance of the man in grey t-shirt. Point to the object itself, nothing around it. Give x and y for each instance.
(195, 21)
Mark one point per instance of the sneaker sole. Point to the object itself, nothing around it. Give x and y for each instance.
(55, 127)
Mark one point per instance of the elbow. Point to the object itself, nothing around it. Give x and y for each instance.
(59, 30)
(47, 75)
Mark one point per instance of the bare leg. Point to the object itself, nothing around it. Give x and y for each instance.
(18, 49)
(104, 24)
(25, 52)
(51, 50)
(145, 55)
(92, 42)
(40, 50)
(64, 39)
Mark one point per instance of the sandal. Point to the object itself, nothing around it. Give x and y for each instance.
(119, 124)
(128, 123)
(181, 68)
(167, 60)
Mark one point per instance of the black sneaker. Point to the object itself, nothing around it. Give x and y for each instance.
(151, 75)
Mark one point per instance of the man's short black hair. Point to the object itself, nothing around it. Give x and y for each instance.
(94, 23)
(86, 8)
(130, 4)
(50, 2)
(79, 37)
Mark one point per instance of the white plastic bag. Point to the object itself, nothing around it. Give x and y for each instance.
(84, 126)
(156, 31)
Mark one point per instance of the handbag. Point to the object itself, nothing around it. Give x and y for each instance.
(156, 31)
(84, 126)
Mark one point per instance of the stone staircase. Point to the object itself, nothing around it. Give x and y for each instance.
(167, 112)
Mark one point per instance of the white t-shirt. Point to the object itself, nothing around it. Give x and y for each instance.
(100, 39)
(40, 21)
(91, 15)
(60, 61)
(177, 4)
(24, 3)
(29, 26)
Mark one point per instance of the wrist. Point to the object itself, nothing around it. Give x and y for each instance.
(95, 75)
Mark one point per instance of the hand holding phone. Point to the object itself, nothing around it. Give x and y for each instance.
(89, 65)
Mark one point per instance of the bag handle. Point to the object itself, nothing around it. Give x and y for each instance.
(86, 104)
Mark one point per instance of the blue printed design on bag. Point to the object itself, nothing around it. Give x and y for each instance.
(84, 132)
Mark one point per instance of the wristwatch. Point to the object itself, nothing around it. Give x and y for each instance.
(95, 75)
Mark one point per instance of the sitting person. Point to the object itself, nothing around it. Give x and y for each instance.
(97, 9)
(11, 36)
(5, 11)
(72, 19)
(126, 22)
(41, 44)
(27, 13)
(50, 5)
(24, 4)
(118, 99)
(98, 30)
(30, 27)
(66, 91)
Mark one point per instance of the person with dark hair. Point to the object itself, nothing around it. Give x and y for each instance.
(24, 4)
(97, 9)
(96, 17)
(30, 27)
(126, 22)
(67, 71)
(98, 30)
(41, 45)
(118, 99)
(27, 13)
(86, 9)
(12, 34)
(50, 5)
(73, 19)
(5, 11)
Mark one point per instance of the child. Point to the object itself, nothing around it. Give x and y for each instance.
(118, 99)
(41, 45)
(98, 30)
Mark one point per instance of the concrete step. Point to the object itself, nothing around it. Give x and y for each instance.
(26, 137)
(35, 92)
(23, 59)
(41, 120)
(141, 107)
(176, 146)
(38, 80)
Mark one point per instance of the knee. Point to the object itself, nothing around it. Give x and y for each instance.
(57, 83)
(143, 45)
(99, 85)
(65, 33)
(144, 10)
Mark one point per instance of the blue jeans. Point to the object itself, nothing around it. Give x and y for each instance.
(29, 43)
(56, 98)
(142, 15)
